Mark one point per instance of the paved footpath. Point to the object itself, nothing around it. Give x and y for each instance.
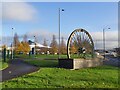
(16, 68)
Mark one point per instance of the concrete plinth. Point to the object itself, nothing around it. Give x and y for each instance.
(79, 63)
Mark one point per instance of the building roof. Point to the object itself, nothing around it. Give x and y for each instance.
(39, 45)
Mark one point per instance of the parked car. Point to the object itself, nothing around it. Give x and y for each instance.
(114, 54)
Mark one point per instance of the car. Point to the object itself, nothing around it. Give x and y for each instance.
(114, 54)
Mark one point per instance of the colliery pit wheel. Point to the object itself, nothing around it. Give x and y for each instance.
(80, 44)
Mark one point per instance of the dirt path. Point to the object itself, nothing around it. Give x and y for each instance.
(16, 68)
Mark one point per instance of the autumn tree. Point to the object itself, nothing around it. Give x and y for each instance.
(73, 48)
(19, 48)
(23, 46)
(26, 47)
(3, 46)
(16, 42)
(63, 49)
(54, 45)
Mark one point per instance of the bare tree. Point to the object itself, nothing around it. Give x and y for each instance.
(16, 40)
(63, 49)
(54, 45)
(25, 38)
(45, 43)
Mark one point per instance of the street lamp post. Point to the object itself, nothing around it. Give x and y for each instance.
(46, 50)
(59, 30)
(104, 41)
(35, 45)
(12, 43)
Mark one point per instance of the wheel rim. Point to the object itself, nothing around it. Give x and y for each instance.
(79, 42)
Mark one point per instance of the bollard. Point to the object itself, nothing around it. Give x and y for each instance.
(4, 54)
(32, 51)
(11, 54)
(29, 53)
(8, 54)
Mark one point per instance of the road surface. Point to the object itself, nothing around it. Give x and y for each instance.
(110, 60)
(16, 68)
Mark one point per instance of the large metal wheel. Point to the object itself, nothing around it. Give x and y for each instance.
(80, 44)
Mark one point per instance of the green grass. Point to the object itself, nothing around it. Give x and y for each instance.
(41, 56)
(3, 65)
(49, 77)
(86, 56)
(43, 63)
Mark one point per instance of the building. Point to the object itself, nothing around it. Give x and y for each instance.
(39, 48)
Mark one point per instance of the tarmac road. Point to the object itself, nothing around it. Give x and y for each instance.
(110, 60)
(15, 69)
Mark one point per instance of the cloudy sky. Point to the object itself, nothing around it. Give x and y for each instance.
(41, 19)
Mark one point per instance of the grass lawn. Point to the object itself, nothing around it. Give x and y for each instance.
(3, 65)
(43, 63)
(41, 56)
(49, 76)
(50, 56)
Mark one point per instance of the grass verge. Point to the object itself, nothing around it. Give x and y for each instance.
(43, 63)
(40, 56)
(49, 77)
(3, 65)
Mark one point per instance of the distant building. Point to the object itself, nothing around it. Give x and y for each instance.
(39, 48)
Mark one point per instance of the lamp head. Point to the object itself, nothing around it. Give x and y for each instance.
(13, 28)
(63, 10)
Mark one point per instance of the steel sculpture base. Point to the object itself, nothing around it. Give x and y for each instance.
(79, 63)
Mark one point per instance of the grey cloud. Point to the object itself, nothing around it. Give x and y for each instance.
(19, 11)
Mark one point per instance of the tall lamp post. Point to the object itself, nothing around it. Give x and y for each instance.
(12, 42)
(104, 40)
(35, 45)
(59, 30)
